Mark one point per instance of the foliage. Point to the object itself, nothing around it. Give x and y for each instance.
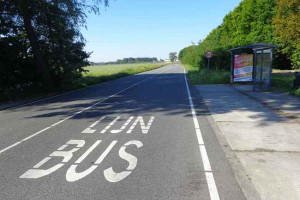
(250, 22)
(204, 76)
(284, 83)
(136, 60)
(40, 43)
(287, 29)
(173, 56)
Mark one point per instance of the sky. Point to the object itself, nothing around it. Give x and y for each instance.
(151, 28)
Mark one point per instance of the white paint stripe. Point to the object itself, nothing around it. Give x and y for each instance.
(205, 159)
(123, 127)
(42, 162)
(53, 125)
(62, 147)
(199, 136)
(57, 123)
(111, 123)
(9, 147)
(213, 191)
(104, 154)
(31, 136)
(95, 123)
(79, 160)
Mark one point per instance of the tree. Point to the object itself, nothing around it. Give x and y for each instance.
(46, 38)
(251, 22)
(287, 29)
(173, 56)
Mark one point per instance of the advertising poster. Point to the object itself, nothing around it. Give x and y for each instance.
(243, 67)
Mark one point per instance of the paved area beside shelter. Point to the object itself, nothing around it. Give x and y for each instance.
(266, 143)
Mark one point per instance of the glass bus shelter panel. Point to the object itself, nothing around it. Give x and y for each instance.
(262, 72)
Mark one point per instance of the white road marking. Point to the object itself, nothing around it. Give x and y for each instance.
(123, 127)
(83, 156)
(205, 159)
(110, 124)
(112, 176)
(42, 162)
(53, 125)
(144, 128)
(9, 147)
(67, 155)
(89, 129)
(104, 154)
(213, 191)
(72, 175)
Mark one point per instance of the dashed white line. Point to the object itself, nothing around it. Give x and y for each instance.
(55, 124)
(212, 188)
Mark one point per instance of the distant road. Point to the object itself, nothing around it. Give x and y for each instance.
(139, 137)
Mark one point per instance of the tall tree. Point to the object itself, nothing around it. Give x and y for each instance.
(46, 33)
(287, 28)
(173, 56)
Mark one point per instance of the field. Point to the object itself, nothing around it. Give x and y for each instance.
(101, 73)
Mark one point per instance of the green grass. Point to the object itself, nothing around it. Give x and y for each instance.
(101, 73)
(284, 83)
(204, 76)
(279, 81)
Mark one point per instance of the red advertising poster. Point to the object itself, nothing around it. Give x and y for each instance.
(243, 67)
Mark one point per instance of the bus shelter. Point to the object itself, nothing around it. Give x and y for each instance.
(253, 63)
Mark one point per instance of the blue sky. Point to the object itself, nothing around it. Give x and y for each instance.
(151, 28)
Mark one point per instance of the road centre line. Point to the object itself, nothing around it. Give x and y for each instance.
(212, 188)
(59, 122)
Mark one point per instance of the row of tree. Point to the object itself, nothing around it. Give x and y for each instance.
(41, 44)
(136, 60)
(253, 21)
(127, 60)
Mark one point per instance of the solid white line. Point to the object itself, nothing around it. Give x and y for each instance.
(53, 125)
(205, 159)
(212, 188)
(213, 191)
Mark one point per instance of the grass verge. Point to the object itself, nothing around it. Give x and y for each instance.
(97, 74)
(280, 80)
(204, 76)
(284, 83)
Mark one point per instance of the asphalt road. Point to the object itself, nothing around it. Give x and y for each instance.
(132, 138)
